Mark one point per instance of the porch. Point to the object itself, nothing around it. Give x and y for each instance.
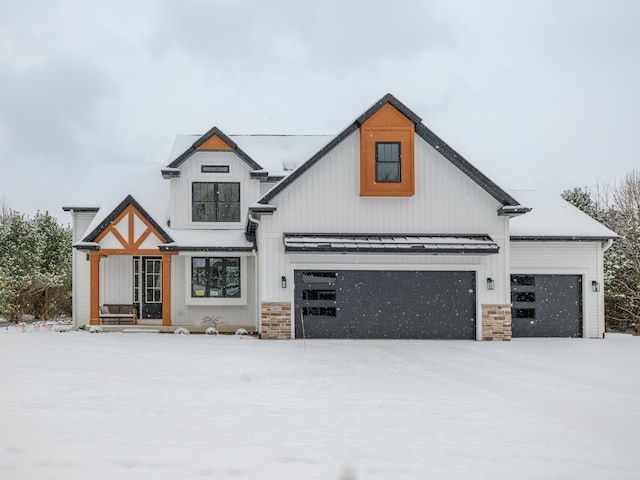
(137, 287)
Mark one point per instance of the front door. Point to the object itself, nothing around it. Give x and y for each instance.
(147, 286)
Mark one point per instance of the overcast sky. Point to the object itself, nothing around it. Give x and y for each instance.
(536, 94)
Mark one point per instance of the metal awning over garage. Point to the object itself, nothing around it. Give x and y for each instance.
(389, 243)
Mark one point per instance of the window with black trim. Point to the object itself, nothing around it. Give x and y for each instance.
(388, 162)
(215, 202)
(215, 277)
(214, 168)
(523, 297)
(524, 313)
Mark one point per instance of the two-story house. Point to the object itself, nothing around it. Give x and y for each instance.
(383, 231)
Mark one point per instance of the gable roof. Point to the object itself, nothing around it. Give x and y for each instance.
(215, 131)
(277, 154)
(423, 132)
(115, 213)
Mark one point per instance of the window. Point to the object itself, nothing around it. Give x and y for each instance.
(388, 162)
(214, 169)
(215, 277)
(215, 202)
(318, 294)
(523, 279)
(523, 297)
(136, 280)
(524, 313)
(153, 280)
(323, 311)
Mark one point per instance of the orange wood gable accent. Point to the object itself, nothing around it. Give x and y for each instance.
(387, 125)
(166, 288)
(130, 245)
(214, 143)
(94, 287)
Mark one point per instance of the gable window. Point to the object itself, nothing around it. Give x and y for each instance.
(388, 162)
(214, 168)
(215, 202)
(215, 277)
(387, 154)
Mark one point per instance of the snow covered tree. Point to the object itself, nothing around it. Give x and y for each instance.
(618, 207)
(35, 266)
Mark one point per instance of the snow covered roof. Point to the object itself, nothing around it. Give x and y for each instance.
(421, 130)
(389, 243)
(208, 240)
(276, 154)
(108, 184)
(552, 217)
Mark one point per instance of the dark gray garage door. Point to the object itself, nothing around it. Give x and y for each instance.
(546, 305)
(377, 304)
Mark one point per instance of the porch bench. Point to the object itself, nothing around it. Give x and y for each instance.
(118, 314)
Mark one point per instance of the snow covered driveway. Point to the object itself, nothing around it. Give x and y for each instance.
(140, 406)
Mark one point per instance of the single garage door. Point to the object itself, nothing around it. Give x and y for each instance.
(382, 304)
(546, 305)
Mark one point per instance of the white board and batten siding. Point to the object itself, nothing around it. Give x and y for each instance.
(326, 199)
(81, 271)
(116, 279)
(567, 258)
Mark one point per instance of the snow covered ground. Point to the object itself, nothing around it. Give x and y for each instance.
(141, 406)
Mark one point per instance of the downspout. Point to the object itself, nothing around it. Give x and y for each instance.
(605, 247)
(254, 251)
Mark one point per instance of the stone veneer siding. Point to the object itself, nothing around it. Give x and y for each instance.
(496, 322)
(276, 321)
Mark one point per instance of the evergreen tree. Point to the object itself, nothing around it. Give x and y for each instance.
(35, 266)
(619, 210)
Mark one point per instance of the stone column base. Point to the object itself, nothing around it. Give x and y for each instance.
(275, 320)
(496, 322)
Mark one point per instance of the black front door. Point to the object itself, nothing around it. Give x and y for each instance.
(147, 286)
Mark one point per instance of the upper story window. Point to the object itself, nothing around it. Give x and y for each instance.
(215, 202)
(386, 154)
(214, 168)
(388, 162)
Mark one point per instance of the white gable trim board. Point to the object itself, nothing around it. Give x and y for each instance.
(335, 238)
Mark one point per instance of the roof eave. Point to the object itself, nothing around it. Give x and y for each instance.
(561, 238)
(513, 211)
(214, 131)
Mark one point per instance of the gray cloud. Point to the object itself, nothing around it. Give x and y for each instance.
(534, 92)
(50, 110)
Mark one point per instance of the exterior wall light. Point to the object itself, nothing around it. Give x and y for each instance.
(283, 282)
(491, 283)
(595, 286)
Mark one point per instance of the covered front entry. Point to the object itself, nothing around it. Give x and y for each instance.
(546, 305)
(129, 233)
(385, 304)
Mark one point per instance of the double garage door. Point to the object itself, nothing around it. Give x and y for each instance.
(428, 305)
(384, 304)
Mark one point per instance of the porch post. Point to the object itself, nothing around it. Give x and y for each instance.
(166, 288)
(94, 287)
